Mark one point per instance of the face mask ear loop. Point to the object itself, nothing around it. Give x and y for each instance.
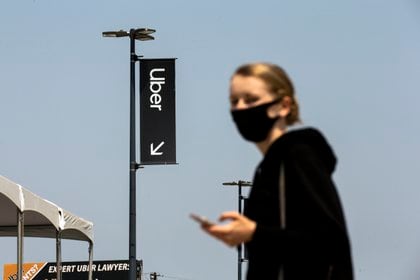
(280, 99)
(274, 102)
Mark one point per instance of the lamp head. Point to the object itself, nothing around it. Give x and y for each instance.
(115, 34)
(142, 37)
(145, 31)
(143, 34)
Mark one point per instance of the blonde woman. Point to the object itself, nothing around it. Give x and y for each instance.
(293, 227)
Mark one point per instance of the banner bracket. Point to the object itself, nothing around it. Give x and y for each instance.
(134, 166)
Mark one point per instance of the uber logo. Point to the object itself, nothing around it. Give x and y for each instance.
(155, 87)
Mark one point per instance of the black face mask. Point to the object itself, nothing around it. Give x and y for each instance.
(253, 123)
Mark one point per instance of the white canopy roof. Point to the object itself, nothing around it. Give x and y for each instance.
(42, 217)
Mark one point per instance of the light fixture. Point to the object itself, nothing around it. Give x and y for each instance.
(141, 34)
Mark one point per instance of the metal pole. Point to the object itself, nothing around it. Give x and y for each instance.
(90, 260)
(20, 220)
(58, 256)
(133, 163)
(240, 245)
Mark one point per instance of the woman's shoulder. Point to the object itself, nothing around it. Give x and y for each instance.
(298, 136)
(302, 133)
(303, 144)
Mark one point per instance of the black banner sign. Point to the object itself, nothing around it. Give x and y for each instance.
(157, 111)
(101, 270)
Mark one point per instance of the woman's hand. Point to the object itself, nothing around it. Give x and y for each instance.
(240, 229)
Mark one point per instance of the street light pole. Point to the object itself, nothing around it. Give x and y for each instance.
(133, 163)
(241, 198)
(142, 34)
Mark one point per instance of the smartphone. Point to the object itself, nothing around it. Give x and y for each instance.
(201, 219)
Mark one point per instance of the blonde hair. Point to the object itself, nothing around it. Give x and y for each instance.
(277, 81)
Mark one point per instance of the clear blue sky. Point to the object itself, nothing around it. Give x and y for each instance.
(64, 118)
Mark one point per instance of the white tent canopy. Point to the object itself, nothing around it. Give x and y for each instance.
(22, 213)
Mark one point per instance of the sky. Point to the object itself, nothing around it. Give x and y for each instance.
(64, 121)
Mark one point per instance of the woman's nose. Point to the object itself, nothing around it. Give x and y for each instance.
(240, 105)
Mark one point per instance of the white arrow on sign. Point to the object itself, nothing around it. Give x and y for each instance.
(155, 151)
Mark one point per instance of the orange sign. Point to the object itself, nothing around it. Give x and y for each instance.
(30, 270)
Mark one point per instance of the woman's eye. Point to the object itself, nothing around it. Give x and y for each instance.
(251, 100)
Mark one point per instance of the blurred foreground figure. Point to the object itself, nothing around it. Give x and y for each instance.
(294, 226)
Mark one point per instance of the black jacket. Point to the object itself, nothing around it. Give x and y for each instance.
(315, 243)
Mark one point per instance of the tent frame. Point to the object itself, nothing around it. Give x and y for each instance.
(48, 220)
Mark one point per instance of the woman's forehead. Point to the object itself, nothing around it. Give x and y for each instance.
(247, 84)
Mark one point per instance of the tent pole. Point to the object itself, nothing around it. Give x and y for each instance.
(90, 259)
(58, 255)
(20, 244)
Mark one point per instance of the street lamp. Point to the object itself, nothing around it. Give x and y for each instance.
(241, 199)
(141, 34)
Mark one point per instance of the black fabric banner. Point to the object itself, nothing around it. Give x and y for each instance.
(157, 111)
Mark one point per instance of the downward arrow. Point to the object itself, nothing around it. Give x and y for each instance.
(155, 151)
